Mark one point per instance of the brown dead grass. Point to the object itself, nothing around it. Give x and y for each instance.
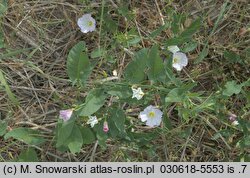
(49, 28)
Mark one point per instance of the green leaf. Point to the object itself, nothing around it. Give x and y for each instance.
(186, 132)
(134, 40)
(244, 157)
(175, 95)
(184, 113)
(170, 74)
(186, 35)
(28, 155)
(223, 132)
(143, 138)
(94, 101)
(120, 91)
(123, 10)
(110, 58)
(75, 140)
(118, 117)
(99, 52)
(11, 96)
(177, 20)
(87, 135)
(110, 25)
(78, 65)
(113, 131)
(64, 131)
(190, 46)
(167, 123)
(3, 7)
(156, 66)
(177, 41)
(134, 72)
(3, 127)
(192, 29)
(232, 57)
(179, 94)
(100, 134)
(232, 88)
(159, 30)
(25, 135)
(117, 122)
(247, 83)
(244, 143)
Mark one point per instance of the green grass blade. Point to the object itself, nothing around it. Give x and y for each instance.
(11, 96)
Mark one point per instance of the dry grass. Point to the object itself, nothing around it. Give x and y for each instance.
(44, 31)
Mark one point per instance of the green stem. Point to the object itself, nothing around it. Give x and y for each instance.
(99, 40)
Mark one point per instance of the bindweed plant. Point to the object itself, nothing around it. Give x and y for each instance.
(141, 101)
(122, 106)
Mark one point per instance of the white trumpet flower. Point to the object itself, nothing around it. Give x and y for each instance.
(86, 23)
(152, 116)
(180, 60)
(137, 93)
(92, 121)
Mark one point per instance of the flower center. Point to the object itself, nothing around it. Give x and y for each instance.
(141, 93)
(90, 23)
(151, 114)
(175, 60)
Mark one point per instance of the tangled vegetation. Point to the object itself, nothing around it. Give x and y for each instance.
(112, 80)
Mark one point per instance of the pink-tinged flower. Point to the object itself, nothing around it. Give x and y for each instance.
(105, 127)
(65, 115)
(232, 119)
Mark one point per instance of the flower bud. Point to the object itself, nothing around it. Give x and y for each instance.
(105, 127)
(232, 117)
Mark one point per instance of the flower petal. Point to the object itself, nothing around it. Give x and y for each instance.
(177, 66)
(150, 123)
(65, 114)
(235, 123)
(181, 58)
(173, 49)
(143, 116)
(149, 108)
(158, 113)
(157, 121)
